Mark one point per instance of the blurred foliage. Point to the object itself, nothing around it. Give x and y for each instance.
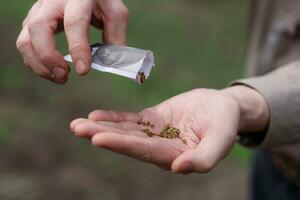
(196, 44)
(11, 79)
(4, 133)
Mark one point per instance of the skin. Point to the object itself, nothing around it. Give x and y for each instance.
(209, 121)
(36, 41)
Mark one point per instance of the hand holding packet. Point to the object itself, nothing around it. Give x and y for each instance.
(129, 62)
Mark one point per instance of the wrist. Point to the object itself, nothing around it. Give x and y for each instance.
(254, 111)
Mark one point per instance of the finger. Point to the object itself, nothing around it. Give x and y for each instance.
(136, 147)
(80, 121)
(160, 151)
(124, 126)
(41, 29)
(113, 116)
(120, 125)
(33, 9)
(76, 22)
(76, 122)
(87, 129)
(115, 20)
(24, 45)
(205, 156)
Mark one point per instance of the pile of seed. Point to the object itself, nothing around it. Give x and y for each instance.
(142, 77)
(168, 131)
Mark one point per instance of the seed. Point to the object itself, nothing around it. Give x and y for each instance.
(142, 77)
(145, 123)
(148, 132)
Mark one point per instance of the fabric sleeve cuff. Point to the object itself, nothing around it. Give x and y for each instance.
(281, 89)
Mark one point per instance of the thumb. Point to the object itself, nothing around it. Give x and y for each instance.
(206, 155)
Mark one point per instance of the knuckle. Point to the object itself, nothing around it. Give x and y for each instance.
(22, 44)
(34, 24)
(120, 13)
(77, 46)
(46, 57)
(124, 13)
(75, 21)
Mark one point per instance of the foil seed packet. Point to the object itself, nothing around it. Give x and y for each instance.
(129, 62)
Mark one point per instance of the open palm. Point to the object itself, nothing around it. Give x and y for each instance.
(208, 121)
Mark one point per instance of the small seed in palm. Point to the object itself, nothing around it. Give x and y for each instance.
(148, 132)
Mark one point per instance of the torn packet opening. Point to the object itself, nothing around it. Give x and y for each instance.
(129, 62)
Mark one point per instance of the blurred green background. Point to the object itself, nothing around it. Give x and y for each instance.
(196, 44)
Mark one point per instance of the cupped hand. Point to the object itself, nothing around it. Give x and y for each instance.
(208, 121)
(36, 41)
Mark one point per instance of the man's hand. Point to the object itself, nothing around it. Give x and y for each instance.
(36, 41)
(209, 121)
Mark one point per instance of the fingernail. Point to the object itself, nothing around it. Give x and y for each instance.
(59, 73)
(80, 67)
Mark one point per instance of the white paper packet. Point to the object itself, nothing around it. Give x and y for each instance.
(129, 62)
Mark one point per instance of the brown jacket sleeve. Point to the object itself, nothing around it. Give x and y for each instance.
(281, 89)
